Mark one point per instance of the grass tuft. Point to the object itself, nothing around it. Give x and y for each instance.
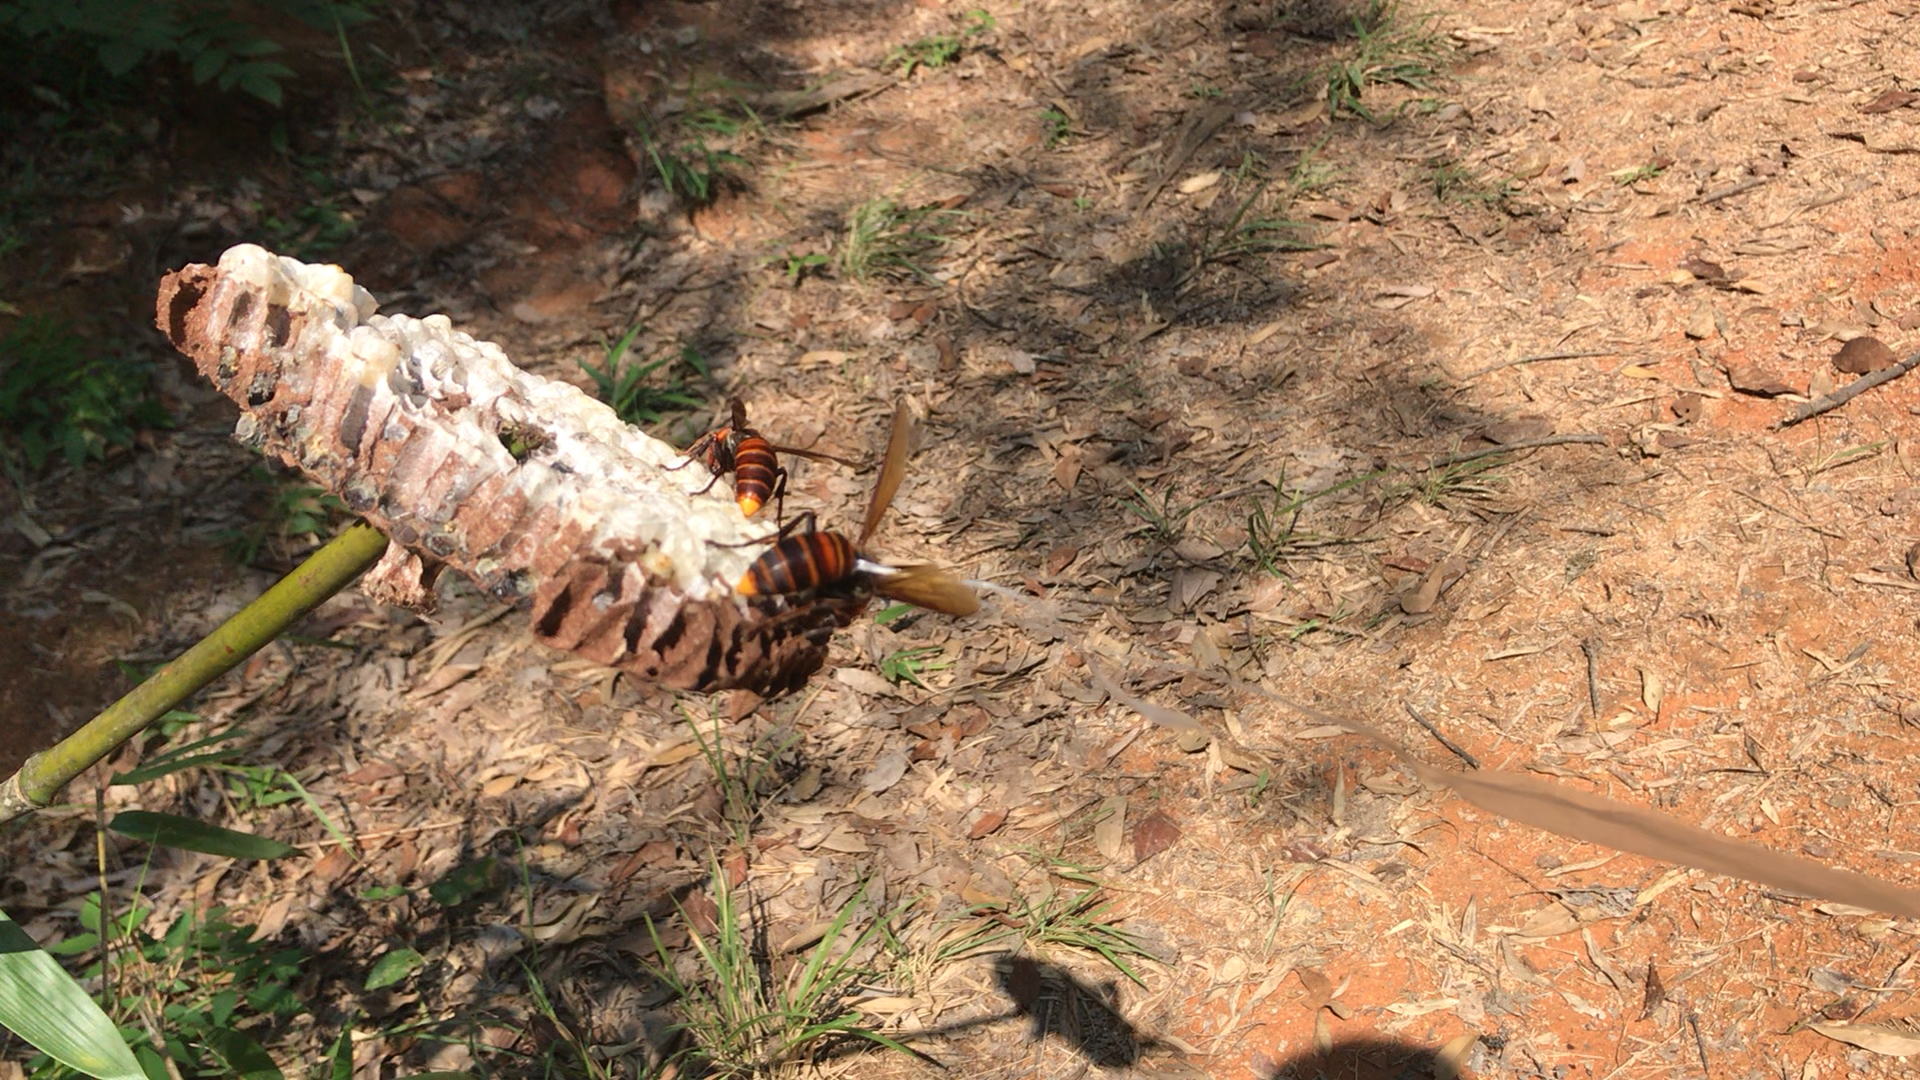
(1076, 916)
(939, 50)
(885, 239)
(624, 385)
(1389, 47)
(749, 1012)
(60, 395)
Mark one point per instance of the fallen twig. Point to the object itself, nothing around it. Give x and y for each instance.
(1829, 402)
(1199, 129)
(1540, 359)
(1790, 516)
(1591, 647)
(1731, 190)
(1523, 444)
(1458, 750)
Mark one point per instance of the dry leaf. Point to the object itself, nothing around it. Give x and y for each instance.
(1652, 689)
(1319, 987)
(1749, 379)
(1190, 586)
(1420, 600)
(986, 824)
(1710, 272)
(1206, 655)
(1639, 371)
(1889, 101)
(1701, 324)
(1302, 115)
(1863, 356)
(1110, 832)
(1393, 297)
(866, 682)
(885, 773)
(1451, 1062)
(1879, 142)
(1528, 163)
(1155, 834)
(1517, 430)
(1878, 1038)
(1265, 332)
(1159, 714)
(1302, 851)
(1656, 992)
(1066, 467)
(1202, 182)
(1325, 211)
(1551, 921)
(1422, 1008)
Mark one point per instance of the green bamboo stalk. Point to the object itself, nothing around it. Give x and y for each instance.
(325, 572)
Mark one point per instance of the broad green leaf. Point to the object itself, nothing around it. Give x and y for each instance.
(74, 945)
(463, 883)
(339, 1059)
(42, 1004)
(120, 55)
(208, 64)
(248, 1059)
(170, 830)
(393, 967)
(891, 612)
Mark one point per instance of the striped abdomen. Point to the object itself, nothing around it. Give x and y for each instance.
(800, 562)
(756, 472)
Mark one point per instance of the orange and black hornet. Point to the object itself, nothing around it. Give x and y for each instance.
(758, 476)
(806, 559)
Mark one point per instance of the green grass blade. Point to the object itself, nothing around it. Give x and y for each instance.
(165, 767)
(42, 1004)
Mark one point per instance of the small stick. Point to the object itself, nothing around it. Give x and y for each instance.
(1699, 1043)
(1848, 392)
(1592, 649)
(1523, 444)
(1458, 750)
(1731, 190)
(1541, 358)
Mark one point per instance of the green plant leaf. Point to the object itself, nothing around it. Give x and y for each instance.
(208, 64)
(158, 768)
(463, 883)
(170, 830)
(248, 1059)
(393, 967)
(42, 1004)
(891, 613)
(121, 55)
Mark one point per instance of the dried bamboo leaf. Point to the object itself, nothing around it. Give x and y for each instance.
(1893, 1042)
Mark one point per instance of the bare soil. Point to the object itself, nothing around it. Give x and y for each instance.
(1608, 244)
